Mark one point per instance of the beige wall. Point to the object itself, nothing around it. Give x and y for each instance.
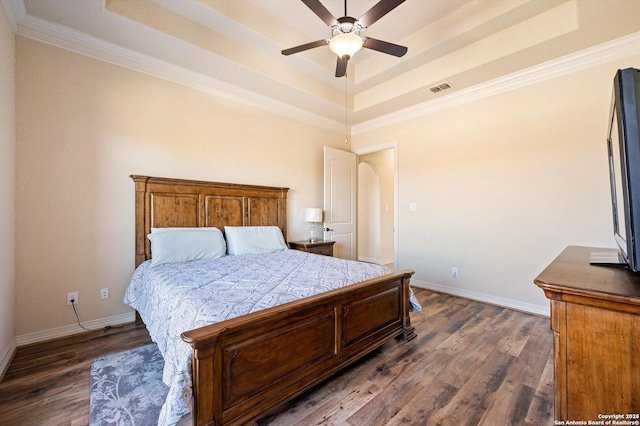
(7, 190)
(83, 126)
(503, 184)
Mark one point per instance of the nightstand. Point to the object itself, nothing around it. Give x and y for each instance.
(318, 247)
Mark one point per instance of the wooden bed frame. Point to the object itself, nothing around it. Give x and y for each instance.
(246, 367)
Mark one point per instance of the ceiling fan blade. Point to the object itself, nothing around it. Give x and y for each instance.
(306, 46)
(378, 11)
(384, 47)
(341, 66)
(322, 12)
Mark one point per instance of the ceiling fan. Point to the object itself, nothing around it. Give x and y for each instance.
(345, 33)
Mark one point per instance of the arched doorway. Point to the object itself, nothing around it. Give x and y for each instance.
(376, 207)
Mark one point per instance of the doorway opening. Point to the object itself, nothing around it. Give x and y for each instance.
(377, 199)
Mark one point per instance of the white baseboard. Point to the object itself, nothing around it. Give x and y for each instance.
(6, 359)
(369, 260)
(68, 330)
(486, 298)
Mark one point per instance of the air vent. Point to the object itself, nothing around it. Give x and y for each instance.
(440, 87)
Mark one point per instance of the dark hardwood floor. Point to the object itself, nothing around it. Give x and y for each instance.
(471, 364)
(48, 383)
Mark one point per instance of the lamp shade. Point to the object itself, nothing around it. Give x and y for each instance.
(345, 44)
(313, 214)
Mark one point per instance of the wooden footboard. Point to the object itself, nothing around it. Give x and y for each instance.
(247, 366)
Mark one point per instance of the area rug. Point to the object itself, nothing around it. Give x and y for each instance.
(127, 388)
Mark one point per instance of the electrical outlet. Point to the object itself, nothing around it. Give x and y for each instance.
(104, 293)
(72, 296)
(454, 272)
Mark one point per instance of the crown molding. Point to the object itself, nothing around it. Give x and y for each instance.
(15, 12)
(584, 59)
(75, 41)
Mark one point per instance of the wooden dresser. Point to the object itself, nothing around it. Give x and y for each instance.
(595, 318)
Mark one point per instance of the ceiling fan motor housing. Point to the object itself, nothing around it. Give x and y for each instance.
(346, 25)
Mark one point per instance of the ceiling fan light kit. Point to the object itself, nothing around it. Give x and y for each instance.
(346, 41)
(346, 45)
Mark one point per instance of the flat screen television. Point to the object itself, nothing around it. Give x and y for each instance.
(623, 141)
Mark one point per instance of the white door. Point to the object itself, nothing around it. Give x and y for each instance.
(340, 168)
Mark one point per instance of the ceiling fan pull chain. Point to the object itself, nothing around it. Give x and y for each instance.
(346, 110)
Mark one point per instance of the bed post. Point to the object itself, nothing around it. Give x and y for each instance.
(141, 187)
(207, 397)
(408, 331)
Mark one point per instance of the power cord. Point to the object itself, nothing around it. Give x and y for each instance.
(104, 329)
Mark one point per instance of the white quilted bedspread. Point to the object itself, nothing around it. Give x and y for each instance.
(172, 298)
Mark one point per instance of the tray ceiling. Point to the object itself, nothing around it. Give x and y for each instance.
(232, 48)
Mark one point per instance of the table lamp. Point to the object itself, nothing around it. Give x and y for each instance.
(313, 216)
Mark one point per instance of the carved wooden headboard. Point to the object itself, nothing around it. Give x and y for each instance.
(164, 202)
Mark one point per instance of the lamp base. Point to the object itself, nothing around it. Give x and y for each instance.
(314, 234)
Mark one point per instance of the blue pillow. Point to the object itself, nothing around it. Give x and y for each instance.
(172, 245)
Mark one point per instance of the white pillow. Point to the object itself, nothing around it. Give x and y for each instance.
(171, 245)
(254, 239)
